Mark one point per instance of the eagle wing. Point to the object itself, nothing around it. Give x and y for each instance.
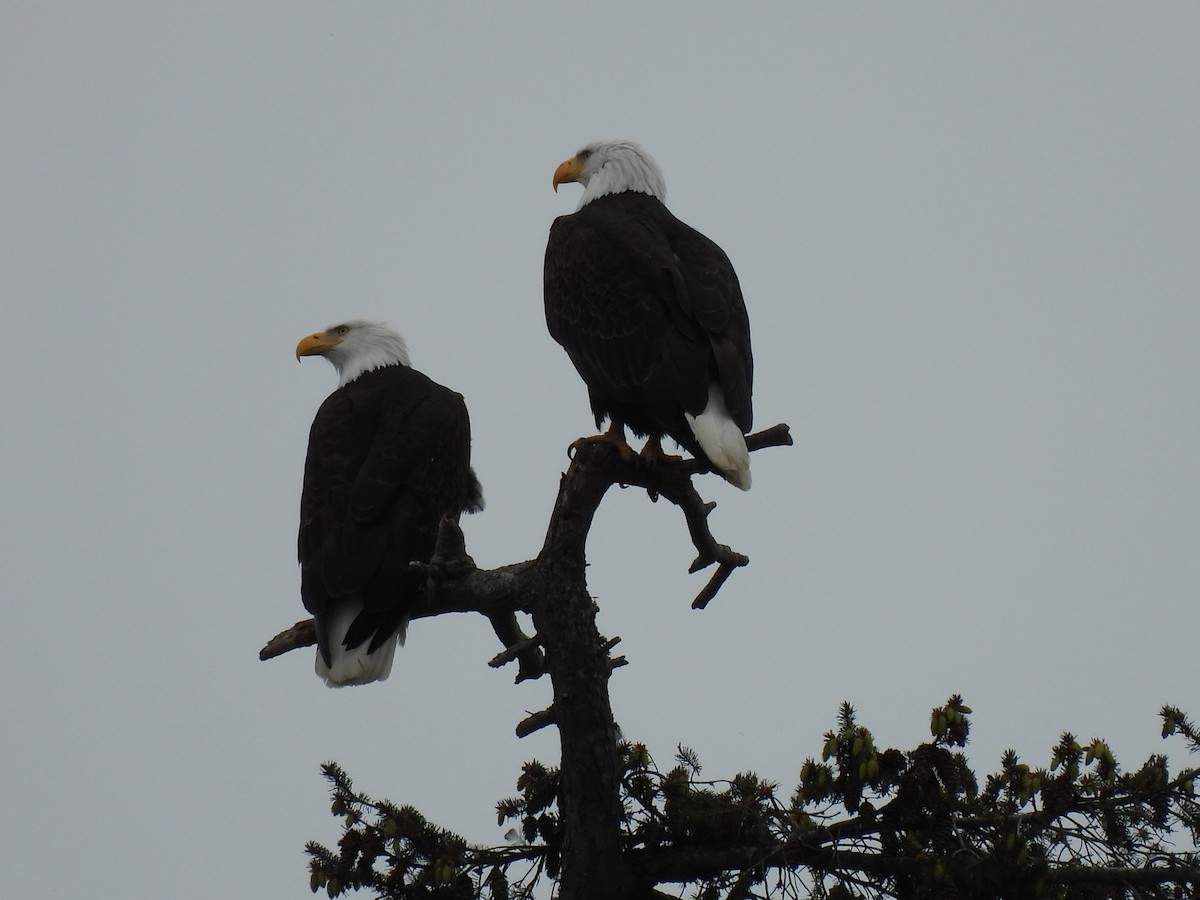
(648, 309)
(386, 462)
(708, 293)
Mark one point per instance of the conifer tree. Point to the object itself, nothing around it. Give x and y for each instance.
(609, 822)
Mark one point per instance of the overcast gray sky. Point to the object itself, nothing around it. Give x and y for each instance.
(969, 239)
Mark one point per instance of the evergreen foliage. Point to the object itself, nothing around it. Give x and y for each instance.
(863, 822)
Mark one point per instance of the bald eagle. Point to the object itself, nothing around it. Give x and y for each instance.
(650, 312)
(388, 456)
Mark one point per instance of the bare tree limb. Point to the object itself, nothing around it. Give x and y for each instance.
(302, 634)
(490, 592)
(507, 655)
(453, 585)
(671, 478)
(714, 583)
(537, 721)
(531, 662)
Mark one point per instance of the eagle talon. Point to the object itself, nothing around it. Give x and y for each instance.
(652, 453)
(614, 439)
(442, 568)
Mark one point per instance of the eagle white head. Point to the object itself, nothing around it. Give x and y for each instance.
(356, 346)
(610, 167)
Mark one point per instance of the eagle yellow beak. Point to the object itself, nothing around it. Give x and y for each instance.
(567, 172)
(316, 344)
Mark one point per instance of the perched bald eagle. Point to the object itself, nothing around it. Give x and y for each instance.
(650, 312)
(389, 455)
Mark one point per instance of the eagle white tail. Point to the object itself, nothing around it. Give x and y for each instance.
(721, 440)
(355, 666)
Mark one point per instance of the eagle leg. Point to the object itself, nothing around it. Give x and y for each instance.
(652, 453)
(614, 437)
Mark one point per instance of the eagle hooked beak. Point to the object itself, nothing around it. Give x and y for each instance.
(571, 170)
(316, 344)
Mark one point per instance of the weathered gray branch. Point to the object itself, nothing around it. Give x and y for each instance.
(537, 721)
(491, 592)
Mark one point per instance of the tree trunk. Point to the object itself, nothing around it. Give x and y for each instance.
(593, 864)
